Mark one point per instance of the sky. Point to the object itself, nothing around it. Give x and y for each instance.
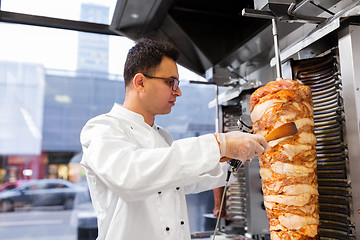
(56, 48)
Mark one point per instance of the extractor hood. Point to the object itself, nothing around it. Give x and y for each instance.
(205, 31)
(214, 35)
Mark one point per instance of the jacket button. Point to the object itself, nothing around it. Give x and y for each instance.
(159, 192)
(182, 222)
(158, 128)
(167, 229)
(177, 188)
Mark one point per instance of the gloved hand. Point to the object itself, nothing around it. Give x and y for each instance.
(241, 146)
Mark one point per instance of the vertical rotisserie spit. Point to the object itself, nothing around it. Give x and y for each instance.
(288, 169)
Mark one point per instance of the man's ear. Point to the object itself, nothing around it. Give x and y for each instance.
(138, 82)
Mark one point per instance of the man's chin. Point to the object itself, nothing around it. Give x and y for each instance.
(167, 111)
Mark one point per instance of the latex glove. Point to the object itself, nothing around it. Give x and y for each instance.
(241, 146)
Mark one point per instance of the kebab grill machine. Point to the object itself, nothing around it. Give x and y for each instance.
(327, 59)
(240, 46)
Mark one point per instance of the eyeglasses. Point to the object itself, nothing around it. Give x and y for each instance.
(171, 81)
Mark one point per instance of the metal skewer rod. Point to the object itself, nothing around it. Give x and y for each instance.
(276, 48)
(268, 15)
(217, 119)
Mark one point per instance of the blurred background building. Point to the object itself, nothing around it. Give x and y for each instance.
(44, 109)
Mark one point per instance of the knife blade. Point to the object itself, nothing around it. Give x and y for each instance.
(285, 130)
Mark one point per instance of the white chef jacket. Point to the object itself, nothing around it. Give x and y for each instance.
(138, 176)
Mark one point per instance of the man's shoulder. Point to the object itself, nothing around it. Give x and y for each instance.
(107, 119)
(98, 119)
(117, 118)
(112, 115)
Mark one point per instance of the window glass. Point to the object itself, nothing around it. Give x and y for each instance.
(7, 187)
(31, 187)
(56, 185)
(96, 11)
(52, 82)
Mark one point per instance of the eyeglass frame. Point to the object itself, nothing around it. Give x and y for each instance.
(175, 81)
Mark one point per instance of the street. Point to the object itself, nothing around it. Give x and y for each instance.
(43, 224)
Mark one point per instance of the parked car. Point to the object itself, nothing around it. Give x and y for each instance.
(11, 185)
(42, 192)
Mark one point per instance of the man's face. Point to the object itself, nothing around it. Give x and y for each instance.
(159, 95)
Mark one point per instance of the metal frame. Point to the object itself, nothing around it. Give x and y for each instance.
(11, 17)
(323, 29)
(349, 52)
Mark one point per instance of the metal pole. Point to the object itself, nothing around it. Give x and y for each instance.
(217, 127)
(277, 49)
(275, 31)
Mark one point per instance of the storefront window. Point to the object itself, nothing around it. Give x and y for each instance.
(98, 11)
(51, 82)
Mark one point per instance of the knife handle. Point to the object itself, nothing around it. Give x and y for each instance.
(225, 159)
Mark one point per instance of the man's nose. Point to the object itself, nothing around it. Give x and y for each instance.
(178, 92)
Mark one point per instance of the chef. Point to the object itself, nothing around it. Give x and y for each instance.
(137, 175)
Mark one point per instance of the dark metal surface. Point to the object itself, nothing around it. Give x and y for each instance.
(41, 21)
(204, 31)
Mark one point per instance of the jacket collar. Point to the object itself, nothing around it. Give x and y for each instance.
(119, 111)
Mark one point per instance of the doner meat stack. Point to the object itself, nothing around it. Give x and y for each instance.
(288, 169)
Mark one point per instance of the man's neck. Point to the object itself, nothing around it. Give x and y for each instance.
(148, 118)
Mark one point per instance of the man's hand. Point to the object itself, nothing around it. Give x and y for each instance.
(241, 146)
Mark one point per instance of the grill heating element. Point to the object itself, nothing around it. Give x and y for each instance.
(235, 203)
(322, 76)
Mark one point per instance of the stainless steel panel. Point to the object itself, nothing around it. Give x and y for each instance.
(321, 30)
(257, 221)
(349, 52)
(261, 4)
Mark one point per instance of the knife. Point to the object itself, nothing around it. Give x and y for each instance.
(285, 130)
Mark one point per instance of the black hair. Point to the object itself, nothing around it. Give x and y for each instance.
(146, 55)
